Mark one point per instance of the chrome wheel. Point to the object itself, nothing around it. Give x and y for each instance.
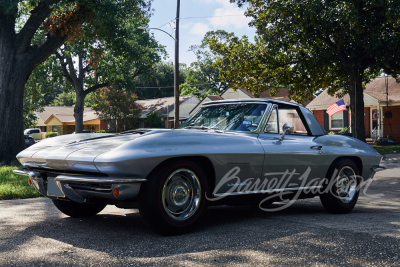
(346, 184)
(181, 194)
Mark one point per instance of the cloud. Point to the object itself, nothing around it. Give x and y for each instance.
(229, 16)
(199, 29)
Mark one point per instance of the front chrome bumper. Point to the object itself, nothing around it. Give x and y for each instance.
(80, 187)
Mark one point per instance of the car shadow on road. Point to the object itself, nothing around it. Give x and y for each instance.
(126, 235)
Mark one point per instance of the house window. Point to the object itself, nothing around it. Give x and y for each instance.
(336, 121)
(55, 128)
(43, 128)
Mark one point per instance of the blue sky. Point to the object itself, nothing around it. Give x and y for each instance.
(221, 14)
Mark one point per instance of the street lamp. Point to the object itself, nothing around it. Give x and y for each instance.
(176, 70)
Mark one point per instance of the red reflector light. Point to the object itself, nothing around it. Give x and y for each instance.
(29, 181)
(116, 192)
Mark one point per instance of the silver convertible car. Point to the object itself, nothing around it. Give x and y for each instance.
(231, 152)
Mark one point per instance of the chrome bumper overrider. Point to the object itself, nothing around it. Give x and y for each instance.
(378, 168)
(80, 187)
(375, 169)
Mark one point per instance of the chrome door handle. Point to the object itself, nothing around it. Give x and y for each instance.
(317, 147)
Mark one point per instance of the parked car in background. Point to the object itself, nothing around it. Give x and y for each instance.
(34, 132)
(29, 140)
(229, 152)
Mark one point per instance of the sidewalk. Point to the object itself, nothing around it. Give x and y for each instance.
(391, 161)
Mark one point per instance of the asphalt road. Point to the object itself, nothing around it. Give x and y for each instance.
(34, 233)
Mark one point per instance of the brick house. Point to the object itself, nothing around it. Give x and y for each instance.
(61, 119)
(381, 110)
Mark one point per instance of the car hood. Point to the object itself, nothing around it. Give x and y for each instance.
(72, 152)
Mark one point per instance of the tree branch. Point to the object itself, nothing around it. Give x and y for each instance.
(95, 87)
(81, 70)
(72, 71)
(64, 67)
(37, 17)
(38, 53)
(87, 68)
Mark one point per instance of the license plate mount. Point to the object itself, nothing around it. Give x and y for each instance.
(53, 188)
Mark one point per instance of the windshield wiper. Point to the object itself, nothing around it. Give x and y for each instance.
(203, 128)
(139, 131)
(199, 127)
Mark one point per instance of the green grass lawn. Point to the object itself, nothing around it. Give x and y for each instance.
(383, 150)
(14, 186)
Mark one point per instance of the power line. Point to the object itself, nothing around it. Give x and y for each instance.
(212, 17)
(200, 18)
(165, 23)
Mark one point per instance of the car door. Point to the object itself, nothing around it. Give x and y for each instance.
(293, 161)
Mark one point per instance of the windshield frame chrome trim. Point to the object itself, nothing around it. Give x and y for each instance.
(262, 120)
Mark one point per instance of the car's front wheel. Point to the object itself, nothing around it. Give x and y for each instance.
(75, 209)
(173, 200)
(342, 193)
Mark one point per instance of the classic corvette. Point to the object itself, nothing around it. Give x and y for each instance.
(230, 152)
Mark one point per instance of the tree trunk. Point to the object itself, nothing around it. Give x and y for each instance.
(13, 75)
(357, 106)
(78, 111)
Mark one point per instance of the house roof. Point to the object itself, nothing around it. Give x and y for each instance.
(282, 94)
(65, 113)
(375, 88)
(324, 99)
(215, 97)
(211, 97)
(161, 105)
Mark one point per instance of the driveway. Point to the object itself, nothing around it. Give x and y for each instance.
(33, 233)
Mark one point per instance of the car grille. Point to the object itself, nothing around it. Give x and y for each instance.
(100, 187)
(91, 186)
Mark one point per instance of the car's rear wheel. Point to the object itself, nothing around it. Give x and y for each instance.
(173, 200)
(75, 209)
(342, 193)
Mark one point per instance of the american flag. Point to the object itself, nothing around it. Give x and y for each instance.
(336, 107)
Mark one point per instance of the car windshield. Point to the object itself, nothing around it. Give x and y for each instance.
(228, 117)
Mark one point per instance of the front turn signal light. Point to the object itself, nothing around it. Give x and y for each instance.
(116, 192)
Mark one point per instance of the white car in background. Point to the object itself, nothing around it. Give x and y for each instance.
(36, 133)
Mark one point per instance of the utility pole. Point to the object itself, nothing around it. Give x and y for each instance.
(176, 72)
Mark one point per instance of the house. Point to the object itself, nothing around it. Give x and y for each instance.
(381, 110)
(62, 120)
(208, 98)
(230, 93)
(165, 107)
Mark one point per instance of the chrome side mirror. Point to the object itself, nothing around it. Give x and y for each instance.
(287, 129)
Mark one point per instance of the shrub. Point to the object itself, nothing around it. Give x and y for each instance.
(101, 131)
(154, 120)
(52, 134)
(344, 130)
(331, 132)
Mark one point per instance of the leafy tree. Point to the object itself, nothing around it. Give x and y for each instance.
(159, 81)
(186, 89)
(39, 90)
(33, 101)
(116, 107)
(68, 98)
(202, 77)
(154, 120)
(314, 44)
(112, 50)
(30, 31)
(65, 99)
